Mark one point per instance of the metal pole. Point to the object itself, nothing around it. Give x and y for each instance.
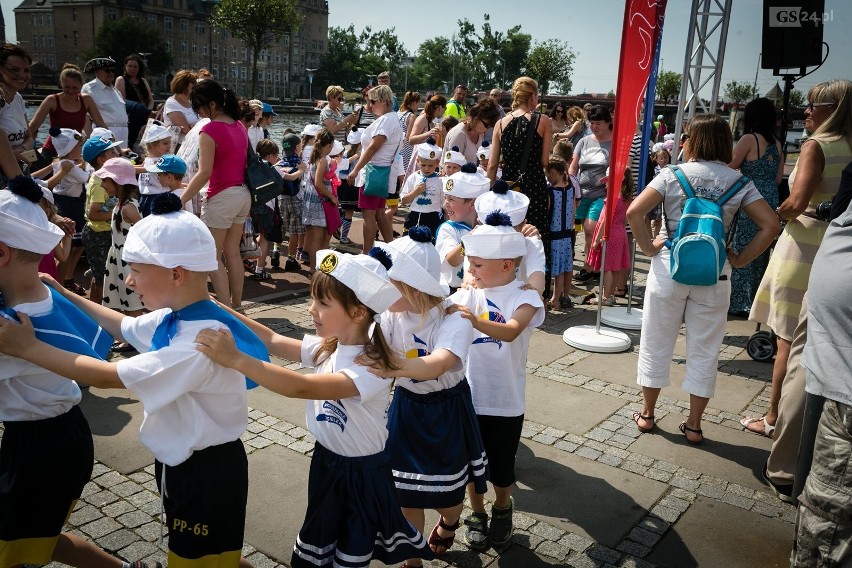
(601, 287)
(632, 277)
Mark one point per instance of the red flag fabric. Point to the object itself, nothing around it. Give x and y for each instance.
(643, 23)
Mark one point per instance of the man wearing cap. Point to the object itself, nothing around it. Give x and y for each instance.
(455, 106)
(47, 444)
(107, 98)
(384, 79)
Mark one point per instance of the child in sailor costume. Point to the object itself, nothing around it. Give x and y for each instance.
(195, 410)
(423, 190)
(435, 445)
(353, 514)
(47, 452)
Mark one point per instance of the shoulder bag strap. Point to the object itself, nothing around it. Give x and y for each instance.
(681, 179)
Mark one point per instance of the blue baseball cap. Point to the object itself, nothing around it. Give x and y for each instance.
(94, 147)
(267, 109)
(168, 164)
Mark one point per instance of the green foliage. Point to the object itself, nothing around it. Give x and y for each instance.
(120, 38)
(258, 23)
(668, 86)
(551, 63)
(797, 98)
(738, 92)
(486, 58)
(350, 59)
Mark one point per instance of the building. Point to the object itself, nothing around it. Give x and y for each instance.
(59, 31)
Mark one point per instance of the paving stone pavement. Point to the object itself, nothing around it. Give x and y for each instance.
(591, 490)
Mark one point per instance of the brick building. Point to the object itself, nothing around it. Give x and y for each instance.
(60, 31)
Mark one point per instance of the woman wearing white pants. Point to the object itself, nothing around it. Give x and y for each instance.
(702, 309)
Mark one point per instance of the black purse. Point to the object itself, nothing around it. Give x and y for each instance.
(263, 180)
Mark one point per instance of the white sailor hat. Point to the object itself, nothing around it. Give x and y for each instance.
(336, 148)
(156, 132)
(354, 136)
(365, 274)
(64, 140)
(453, 156)
(484, 151)
(171, 237)
(416, 261)
(494, 239)
(467, 183)
(428, 150)
(23, 224)
(311, 130)
(512, 203)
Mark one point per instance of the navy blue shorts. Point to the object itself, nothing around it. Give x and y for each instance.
(75, 209)
(501, 435)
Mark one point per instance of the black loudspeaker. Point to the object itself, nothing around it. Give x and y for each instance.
(792, 36)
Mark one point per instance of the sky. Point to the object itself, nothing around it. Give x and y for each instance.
(593, 31)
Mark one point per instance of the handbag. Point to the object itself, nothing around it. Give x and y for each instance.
(263, 180)
(332, 216)
(376, 182)
(532, 126)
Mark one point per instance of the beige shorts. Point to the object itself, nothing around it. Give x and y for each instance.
(228, 207)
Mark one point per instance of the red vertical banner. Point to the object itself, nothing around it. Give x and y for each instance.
(643, 24)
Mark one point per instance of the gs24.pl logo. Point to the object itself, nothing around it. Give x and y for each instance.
(796, 17)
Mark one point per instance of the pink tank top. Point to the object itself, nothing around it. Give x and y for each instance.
(229, 161)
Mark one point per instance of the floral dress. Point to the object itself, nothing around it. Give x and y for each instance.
(746, 280)
(116, 293)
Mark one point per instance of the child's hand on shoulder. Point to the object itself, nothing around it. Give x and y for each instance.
(219, 345)
(463, 310)
(65, 166)
(51, 281)
(530, 231)
(16, 338)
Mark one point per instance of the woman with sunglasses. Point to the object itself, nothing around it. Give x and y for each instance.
(470, 132)
(778, 303)
(380, 142)
(558, 121)
(14, 77)
(331, 116)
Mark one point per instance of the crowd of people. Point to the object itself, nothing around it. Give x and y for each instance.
(495, 199)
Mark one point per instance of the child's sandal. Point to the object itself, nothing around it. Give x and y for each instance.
(445, 543)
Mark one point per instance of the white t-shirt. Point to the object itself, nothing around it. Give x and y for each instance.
(13, 121)
(74, 181)
(449, 237)
(354, 426)
(412, 335)
(388, 126)
(29, 392)
(173, 105)
(149, 183)
(709, 180)
(190, 402)
(255, 135)
(496, 369)
(431, 200)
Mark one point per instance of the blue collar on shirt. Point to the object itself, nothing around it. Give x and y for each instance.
(246, 340)
(68, 328)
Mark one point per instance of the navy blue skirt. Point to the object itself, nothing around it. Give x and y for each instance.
(435, 447)
(353, 515)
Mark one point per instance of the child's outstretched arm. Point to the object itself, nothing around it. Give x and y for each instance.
(220, 347)
(508, 331)
(424, 368)
(107, 318)
(277, 344)
(19, 340)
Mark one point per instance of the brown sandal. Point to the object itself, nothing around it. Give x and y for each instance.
(446, 542)
(684, 429)
(638, 415)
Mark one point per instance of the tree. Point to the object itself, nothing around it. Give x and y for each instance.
(119, 38)
(488, 58)
(433, 65)
(797, 98)
(351, 58)
(668, 86)
(738, 93)
(257, 23)
(551, 62)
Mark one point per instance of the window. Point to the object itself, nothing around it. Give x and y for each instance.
(34, 41)
(51, 61)
(168, 3)
(167, 23)
(76, 38)
(245, 54)
(243, 73)
(214, 70)
(41, 19)
(235, 72)
(183, 46)
(74, 18)
(152, 19)
(233, 53)
(50, 19)
(184, 25)
(50, 40)
(193, 48)
(112, 15)
(200, 27)
(169, 44)
(204, 49)
(215, 50)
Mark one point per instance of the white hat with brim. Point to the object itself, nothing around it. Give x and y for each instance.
(492, 242)
(171, 240)
(156, 132)
(361, 273)
(101, 132)
(23, 224)
(354, 136)
(311, 130)
(416, 263)
(454, 157)
(463, 185)
(336, 148)
(512, 203)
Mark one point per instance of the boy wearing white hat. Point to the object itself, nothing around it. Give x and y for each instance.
(38, 407)
(453, 161)
(195, 411)
(483, 154)
(533, 266)
(353, 513)
(503, 313)
(423, 190)
(460, 192)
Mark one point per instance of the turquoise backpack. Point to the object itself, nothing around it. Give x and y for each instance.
(698, 247)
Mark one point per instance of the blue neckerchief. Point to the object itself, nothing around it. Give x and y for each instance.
(432, 175)
(459, 226)
(68, 328)
(289, 161)
(246, 340)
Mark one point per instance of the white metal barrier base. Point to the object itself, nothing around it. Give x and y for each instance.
(589, 338)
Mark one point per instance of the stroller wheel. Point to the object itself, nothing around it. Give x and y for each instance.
(761, 346)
